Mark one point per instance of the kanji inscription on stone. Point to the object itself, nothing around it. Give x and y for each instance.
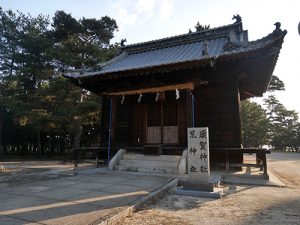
(198, 153)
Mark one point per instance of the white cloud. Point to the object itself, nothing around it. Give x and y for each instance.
(139, 13)
(165, 10)
(129, 12)
(127, 18)
(145, 6)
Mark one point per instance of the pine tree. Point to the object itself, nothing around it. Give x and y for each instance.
(254, 124)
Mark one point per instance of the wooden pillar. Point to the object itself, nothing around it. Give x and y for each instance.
(114, 121)
(237, 111)
(161, 123)
(188, 109)
(182, 119)
(237, 158)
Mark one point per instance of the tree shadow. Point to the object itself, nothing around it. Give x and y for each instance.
(42, 209)
(282, 213)
(59, 202)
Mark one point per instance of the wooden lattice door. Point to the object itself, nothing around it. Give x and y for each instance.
(170, 123)
(154, 123)
(162, 123)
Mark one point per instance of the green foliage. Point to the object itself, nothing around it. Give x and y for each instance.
(254, 124)
(283, 125)
(276, 126)
(44, 107)
(81, 43)
(200, 27)
(276, 84)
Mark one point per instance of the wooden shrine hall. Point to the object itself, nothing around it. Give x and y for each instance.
(153, 91)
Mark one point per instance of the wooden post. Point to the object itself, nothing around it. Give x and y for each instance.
(188, 109)
(97, 157)
(112, 125)
(193, 110)
(161, 123)
(264, 159)
(227, 166)
(237, 111)
(76, 156)
(114, 120)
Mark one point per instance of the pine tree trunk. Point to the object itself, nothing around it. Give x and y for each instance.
(52, 144)
(38, 142)
(78, 133)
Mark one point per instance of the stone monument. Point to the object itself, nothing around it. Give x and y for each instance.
(198, 184)
(198, 153)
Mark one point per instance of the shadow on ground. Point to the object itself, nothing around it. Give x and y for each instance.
(81, 199)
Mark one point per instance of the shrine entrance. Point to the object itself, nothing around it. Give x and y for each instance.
(162, 122)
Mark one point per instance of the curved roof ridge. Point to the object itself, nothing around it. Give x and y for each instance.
(183, 38)
(276, 34)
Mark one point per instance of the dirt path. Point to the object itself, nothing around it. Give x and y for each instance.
(244, 204)
(286, 166)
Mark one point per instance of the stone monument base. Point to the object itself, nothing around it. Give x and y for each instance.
(197, 188)
(195, 185)
(200, 194)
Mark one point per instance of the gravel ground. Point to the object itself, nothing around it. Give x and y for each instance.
(242, 205)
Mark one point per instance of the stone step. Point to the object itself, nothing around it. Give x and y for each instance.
(152, 157)
(145, 169)
(147, 163)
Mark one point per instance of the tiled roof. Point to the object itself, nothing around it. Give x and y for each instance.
(165, 56)
(189, 47)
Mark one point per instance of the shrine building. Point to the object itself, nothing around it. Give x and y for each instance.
(153, 91)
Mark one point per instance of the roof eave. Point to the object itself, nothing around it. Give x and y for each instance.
(230, 55)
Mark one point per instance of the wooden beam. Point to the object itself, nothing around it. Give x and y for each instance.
(184, 86)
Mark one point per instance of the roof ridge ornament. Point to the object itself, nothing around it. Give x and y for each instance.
(278, 25)
(277, 28)
(205, 48)
(123, 41)
(230, 45)
(237, 18)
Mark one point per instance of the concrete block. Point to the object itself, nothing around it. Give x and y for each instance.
(114, 161)
(169, 170)
(196, 185)
(147, 163)
(175, 158)
(182, 163)
(200, 194)
(164, 170)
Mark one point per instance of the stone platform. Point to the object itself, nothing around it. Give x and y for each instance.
(92, 197)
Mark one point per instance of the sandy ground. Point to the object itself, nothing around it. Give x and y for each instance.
(242, 205)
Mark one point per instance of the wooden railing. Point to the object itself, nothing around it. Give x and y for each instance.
(261, 159)
(78, 152)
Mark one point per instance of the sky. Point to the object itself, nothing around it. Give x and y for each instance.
(144, 20)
